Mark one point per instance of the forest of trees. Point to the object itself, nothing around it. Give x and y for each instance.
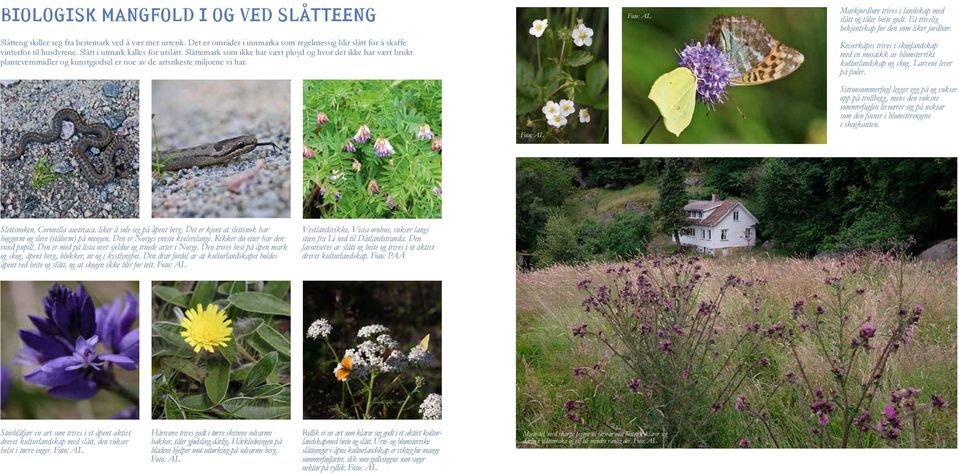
(805, 206)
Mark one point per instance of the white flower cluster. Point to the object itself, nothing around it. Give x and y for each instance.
(432, 407)
(367, 332)
(319, 328)
(556, 113)
(419, 358)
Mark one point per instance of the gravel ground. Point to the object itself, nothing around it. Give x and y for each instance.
(191, 113)
(29, 106)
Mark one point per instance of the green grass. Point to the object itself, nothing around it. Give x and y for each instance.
(548, 305)
(43, 174)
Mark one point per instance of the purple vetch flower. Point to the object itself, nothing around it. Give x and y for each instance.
(383, 147)
(389, 201)
(73, 376)
(712, 70)
(308, 153)
(633, 385)
(348, 146)
(437, 145)
(362, 134)
(743, 443)
(5, 380)
(437, 190)
(321, 118)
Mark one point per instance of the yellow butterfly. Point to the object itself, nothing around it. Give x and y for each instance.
(343, 369)
(424, 344)
(674, 93)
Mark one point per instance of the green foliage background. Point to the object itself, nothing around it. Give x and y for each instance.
(392, 109)
(553, 68)
(788, 110)
(248, 379)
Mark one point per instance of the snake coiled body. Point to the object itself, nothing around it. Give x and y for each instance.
(113, 151)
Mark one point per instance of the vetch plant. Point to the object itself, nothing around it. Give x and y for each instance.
(561, 68)
(76, 348)
(668, 371)
(374, 370)
(375, 135)
(221, 350)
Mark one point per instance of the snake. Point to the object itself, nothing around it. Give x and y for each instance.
(210, 154)
(114, 151)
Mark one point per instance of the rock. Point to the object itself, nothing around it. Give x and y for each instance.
(694, 181)
(235, 184)
(944, 250)
(110, 89)
(115, 119)
(132, 122)
(108, 207)
(8, 82)
(67, 130)
(63, 167)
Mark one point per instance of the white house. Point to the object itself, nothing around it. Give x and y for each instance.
(718, 227)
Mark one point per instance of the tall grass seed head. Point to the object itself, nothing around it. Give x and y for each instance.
(206, 328)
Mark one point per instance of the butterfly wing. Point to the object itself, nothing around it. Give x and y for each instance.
(675, 95)
(344, 368)
(424, 344)
(756, 57)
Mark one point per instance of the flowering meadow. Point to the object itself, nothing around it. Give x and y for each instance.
(562, 75)
(791, 109)
(70, 350)
(745, 351)
(221, 350)
(372, 350)
(372, 149)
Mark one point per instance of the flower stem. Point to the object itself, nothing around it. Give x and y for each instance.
(109, 382)
(651, 127)
(369, 395)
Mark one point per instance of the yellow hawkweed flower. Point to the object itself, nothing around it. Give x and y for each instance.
(206, 329)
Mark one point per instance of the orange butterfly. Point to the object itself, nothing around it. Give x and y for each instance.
(343, 369)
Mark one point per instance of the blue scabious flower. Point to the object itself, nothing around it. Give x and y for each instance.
(64, 344)
(712, 70)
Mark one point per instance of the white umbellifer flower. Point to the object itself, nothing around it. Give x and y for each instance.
(319, 328)
(432, 407)
(539, 26)
(582, 36)
(419, 358)
(371, 330)
(566, 107)
(583, 115)
(551, 108)
(556, 120)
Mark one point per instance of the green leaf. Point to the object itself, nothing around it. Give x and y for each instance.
(196, 402)
(217, 379)
(265, 391)
(186, 367)
(172, 410)
(579, 58)
(230, 287)
(597, 75)
(171, 295)
(278, 289)
(261, 303)
(170, 333)
(263, 409)
(204, 293)
(242, 327)
(274, 339)
(260, 371)
(228, 352)
(525, 76)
